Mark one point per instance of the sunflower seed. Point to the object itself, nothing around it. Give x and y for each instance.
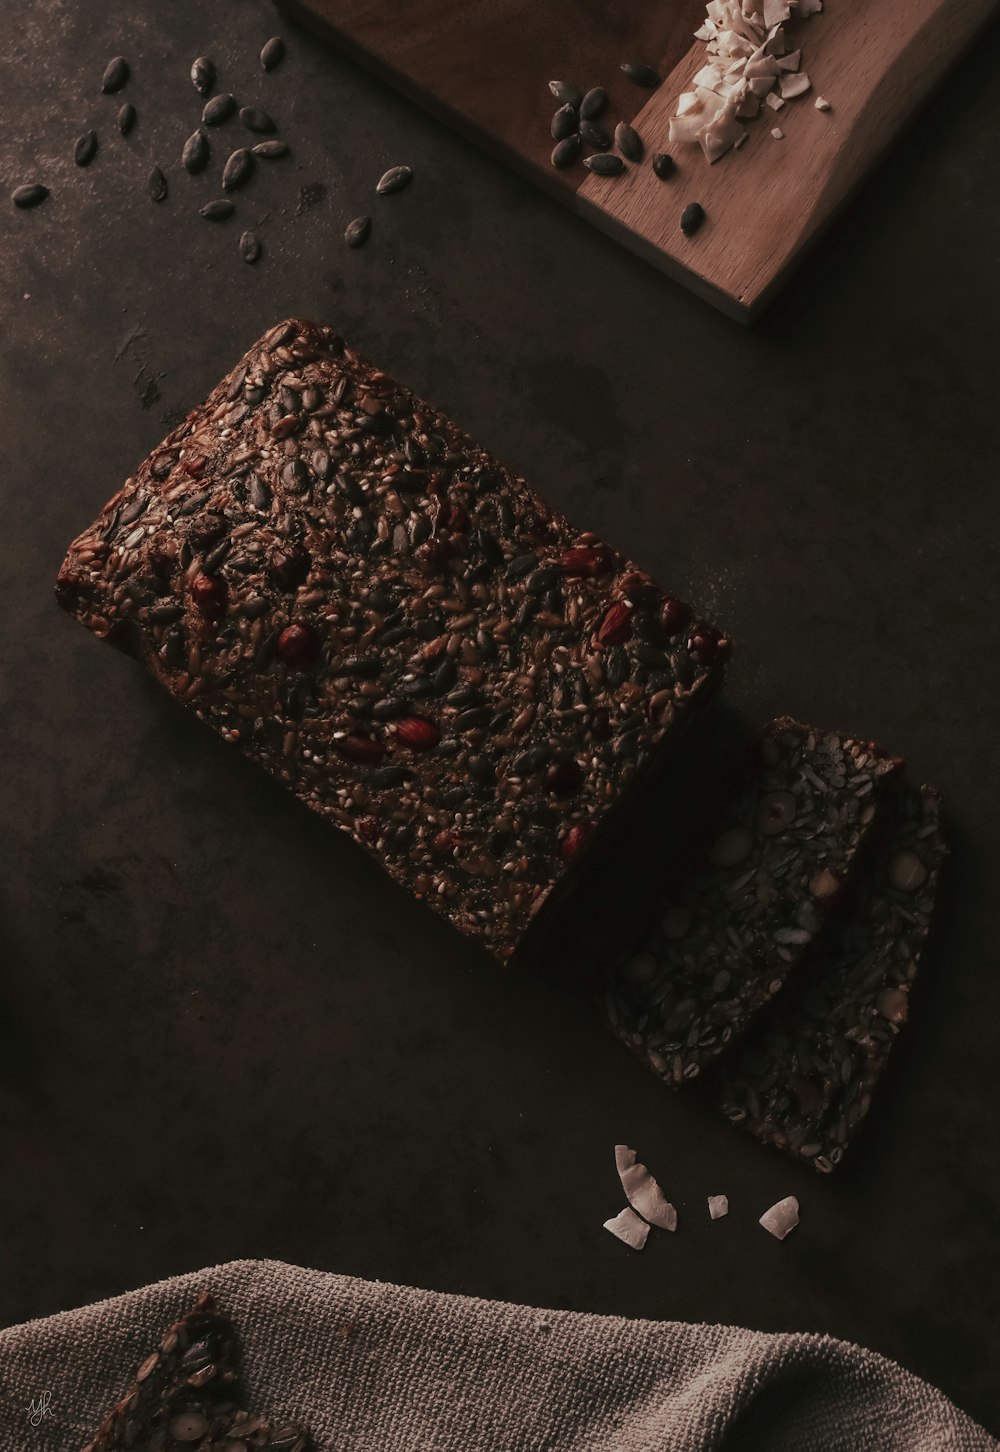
(249, 247)
(593, 103)
(664, 165)
(157, 185)
(218, 109)
(273, 53)
(237, 169)
(393, 180)
(604, 165)
(196, 152)
(357, 231)
(629, 142)
(594, 136)
(254, 119)
(563, 123)
(691, 218)
(115, 75)
(85, 149)
(640, 74)
(126, 118)
(203, 75)
(565, 152)
(217, 211)
(269, 150)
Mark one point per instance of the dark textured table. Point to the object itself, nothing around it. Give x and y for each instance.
(222, 1032)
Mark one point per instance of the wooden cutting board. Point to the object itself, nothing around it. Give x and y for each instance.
(484, 67)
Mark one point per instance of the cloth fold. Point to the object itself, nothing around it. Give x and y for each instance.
(368, 1367)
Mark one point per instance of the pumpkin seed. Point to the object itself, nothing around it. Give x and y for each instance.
(115, 75)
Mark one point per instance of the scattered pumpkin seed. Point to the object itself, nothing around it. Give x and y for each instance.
(603, 164)
(640, 75)
(357, 231)
(203, 75)
(115, 75)
(217, 211)
(273, 53)
(85, 149)
(394, 180)
(30, 195)
(218, 109)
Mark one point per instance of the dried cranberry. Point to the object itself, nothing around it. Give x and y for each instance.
(674, 615)
(705, 643)
(600, 723)
(574, 840)
(362, 749)
(639, 588)
(418, 733)
(69, 587)
(563, 777)
(210, 595)
(367, 828)
(160, 563)
(289, 566)
(458, 518)
(616, 626)
(586, 560)
(206, 530)
(195, 465)
(433, 554)
(298, 645)
(445, 841)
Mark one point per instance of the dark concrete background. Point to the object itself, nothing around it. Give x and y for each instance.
(222, 1032)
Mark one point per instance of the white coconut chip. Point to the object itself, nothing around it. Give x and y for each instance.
(777, 133)
(718, 1205)
(822, 104)
(781, 1218)
(796, 85)
(642, 1191)
(629, 1229)
(747, 62)
(624, 1157)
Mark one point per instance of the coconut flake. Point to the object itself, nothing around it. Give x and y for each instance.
(781, 1218)
(627, 1227)
(718, 1205)
(724, 132)
(746, 62)
(792, 86)
(642, 1191)
(777, 133)
(822, 104)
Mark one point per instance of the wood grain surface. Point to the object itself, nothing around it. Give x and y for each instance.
(484, 67)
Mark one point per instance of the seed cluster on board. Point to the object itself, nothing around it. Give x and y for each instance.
(578, 135)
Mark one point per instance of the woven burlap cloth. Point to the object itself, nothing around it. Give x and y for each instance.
(380, 1368)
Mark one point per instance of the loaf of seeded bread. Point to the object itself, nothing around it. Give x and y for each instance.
(355, 595)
